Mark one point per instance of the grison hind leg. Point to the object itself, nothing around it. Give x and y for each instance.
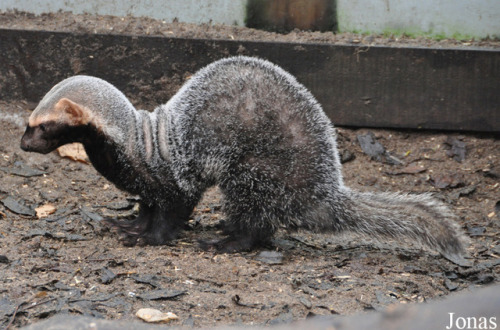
(153, 225)
(250, 222)
(240, 235)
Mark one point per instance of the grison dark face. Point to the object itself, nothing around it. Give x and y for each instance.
(53, 124)
(46, 137)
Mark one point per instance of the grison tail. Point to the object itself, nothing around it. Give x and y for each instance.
(419, 218)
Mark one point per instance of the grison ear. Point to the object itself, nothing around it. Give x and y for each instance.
(72, 112)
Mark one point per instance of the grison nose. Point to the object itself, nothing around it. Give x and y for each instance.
(25, 144)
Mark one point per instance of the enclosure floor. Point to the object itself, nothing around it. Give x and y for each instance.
(66, 263)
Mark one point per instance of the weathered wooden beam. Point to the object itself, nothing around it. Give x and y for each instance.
(452, 89)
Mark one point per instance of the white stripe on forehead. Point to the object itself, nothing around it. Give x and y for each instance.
(103, 105)
(47, 110)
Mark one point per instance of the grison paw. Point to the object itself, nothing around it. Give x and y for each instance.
(128, 231)
(137, 232)
(232, 244)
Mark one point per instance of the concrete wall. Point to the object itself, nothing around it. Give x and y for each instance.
(478, 18)
(227, 12)
(446, 18)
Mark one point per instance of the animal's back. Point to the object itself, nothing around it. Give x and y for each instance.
(246, 120)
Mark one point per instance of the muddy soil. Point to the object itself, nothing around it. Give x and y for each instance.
(68, 262)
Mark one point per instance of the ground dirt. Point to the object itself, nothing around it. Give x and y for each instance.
(68, 262)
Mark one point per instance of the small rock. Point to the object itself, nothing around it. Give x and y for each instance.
(50, 195)
(346, 156)
(23, 171)
(270, 257)
(414, 270)
(451, 275)
(152, 280)
(385, 299)
(457, 150)
(90, 215)
(107, 276)
(466, 191)
(476, 231)
(450, 285)
(447, 181)
(4, 259)
(45, 210)
(151, 315)
(371, 146)
(484, 279)
(305, 302)
(17, 207)
(283, 318)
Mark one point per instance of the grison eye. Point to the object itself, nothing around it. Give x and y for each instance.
(42, 127)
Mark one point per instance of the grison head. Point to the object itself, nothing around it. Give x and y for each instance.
(55, 122)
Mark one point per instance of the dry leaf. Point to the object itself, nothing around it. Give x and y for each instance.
(153, 315)
(74, 151)
(410, 169)
(413, 169)
(444, 181)
(45, 210)
(41, 294)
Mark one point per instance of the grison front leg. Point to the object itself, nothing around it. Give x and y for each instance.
(153, 225)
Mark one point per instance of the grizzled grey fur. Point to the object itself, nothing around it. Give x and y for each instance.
(249, 127)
